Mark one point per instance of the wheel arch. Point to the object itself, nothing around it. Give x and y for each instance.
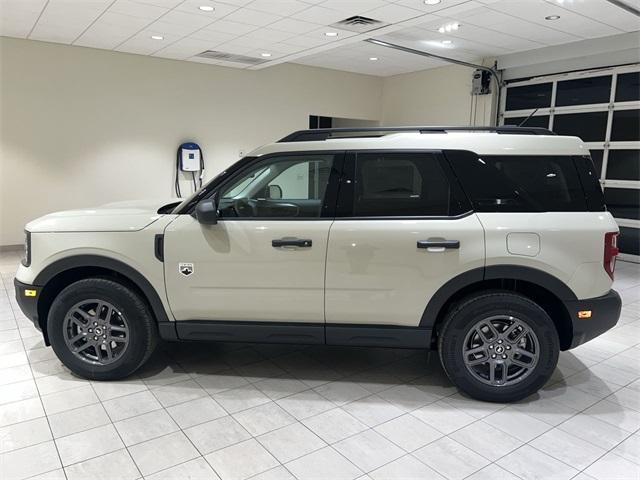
(543, 288)
(61, 273)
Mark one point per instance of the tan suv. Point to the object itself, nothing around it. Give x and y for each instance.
(492, 245)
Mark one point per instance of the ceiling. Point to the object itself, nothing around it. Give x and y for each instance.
(277, 31)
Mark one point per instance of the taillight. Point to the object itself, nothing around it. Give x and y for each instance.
(610, 252)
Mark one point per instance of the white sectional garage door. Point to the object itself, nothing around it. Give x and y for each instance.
(603, 108)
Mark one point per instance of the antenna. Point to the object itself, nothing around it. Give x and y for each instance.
(528, 118)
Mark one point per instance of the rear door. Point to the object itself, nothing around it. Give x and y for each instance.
(403, 229)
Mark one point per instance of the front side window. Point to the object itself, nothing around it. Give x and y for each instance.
(279, 187)
(407, 184)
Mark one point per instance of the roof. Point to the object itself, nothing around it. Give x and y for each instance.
(485, 141)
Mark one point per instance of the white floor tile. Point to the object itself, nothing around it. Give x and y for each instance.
(408, 432)
(162, 453)
(216, 434)
(372, 410)
(405, 468)
(196, 411)
(291, 442)
(334, 425)
(30, 461)
(113, 465)
(486, 440)
(241, 461)
(322, 465)
(529, 464)
(145, 427)
(368, 450)
(197, 469)
(88, 444)
(264, 418)
(613, 467)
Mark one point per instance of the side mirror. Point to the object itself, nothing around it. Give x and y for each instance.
(274, 192)
(207, 212)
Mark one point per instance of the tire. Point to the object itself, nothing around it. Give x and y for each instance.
(130, 324)
(466, 329)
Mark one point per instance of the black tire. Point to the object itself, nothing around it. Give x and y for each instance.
(463, 318)
(142, 328)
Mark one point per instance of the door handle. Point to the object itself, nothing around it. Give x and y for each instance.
(453, 244)
(291, 242)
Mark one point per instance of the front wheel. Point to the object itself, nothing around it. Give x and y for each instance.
(498, 347)
(101, 329)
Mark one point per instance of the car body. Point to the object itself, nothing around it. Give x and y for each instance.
(368, 238)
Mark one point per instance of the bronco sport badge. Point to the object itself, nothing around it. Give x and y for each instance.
(185, 269)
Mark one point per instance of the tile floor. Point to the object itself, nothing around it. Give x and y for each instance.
(216, 411)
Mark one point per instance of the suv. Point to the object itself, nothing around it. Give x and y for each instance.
(491, 245)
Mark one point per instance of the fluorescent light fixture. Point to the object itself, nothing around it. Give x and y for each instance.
(373, 59)
(552, 17)
(432, 2)
(157, 37)
(446, 42)
(265, 55)
(206, 8)
(331, 34)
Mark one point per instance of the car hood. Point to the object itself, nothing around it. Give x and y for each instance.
(113, 217)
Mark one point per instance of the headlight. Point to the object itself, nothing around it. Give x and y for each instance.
(26, 261)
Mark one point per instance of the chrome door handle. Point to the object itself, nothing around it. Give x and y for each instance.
(453, 244)
(291, 242)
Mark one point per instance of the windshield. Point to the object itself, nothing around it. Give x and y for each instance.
(205, 190)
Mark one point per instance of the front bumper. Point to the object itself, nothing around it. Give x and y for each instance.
(27, 297)
(605, 312)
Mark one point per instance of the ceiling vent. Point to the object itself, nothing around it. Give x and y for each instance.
(231, 57)
(359, 24)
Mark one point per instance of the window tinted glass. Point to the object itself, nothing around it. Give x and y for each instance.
(583, 91)
(623, 202)
(590, 127)
(288, 186)
(401, 184)
(623, 165)
(529, 97)
(519, 183)
(626, 126)
(628, 87)
(596, 158)
(535, 121)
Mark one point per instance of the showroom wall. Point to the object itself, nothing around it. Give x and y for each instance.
(81, 127)
(438, 96)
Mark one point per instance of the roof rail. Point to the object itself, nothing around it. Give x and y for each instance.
(327, 133)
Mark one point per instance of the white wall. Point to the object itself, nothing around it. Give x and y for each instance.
(438, 96)
(81, 127)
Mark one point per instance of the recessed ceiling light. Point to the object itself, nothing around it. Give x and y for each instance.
(157, 37)
(432, 2)
(331, 34)
(449, 27)
(373, 59)
(266, 55)
(206, 8)
(552, 17)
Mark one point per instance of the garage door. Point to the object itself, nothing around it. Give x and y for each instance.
(603, 108)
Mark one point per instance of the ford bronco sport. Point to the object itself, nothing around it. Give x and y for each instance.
(491, 245)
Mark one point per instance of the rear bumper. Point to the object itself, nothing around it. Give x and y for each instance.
(27, 297)
(605, 312)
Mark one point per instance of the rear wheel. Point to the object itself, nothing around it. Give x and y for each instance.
(101, 329)
(498, 347)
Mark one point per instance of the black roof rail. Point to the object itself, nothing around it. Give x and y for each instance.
(327, 133)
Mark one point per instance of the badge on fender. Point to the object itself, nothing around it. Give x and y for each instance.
(185, 269)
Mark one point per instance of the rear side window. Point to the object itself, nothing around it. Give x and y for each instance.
(519, 183)
(399, 184)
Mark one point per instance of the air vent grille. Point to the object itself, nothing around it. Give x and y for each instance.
(359, 24)
(231, 57)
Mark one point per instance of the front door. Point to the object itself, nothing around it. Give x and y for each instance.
(402, 231)
(264, 261)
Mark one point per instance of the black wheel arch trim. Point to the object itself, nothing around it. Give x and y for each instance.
(133, 275)
(492, 272)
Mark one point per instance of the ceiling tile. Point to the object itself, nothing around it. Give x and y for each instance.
(135, 9)
(603, 11)
(293, 26)
(353, 7)
(393, 13)
(253, 17)
(283, 7)
(320, 15)
(221, 10)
